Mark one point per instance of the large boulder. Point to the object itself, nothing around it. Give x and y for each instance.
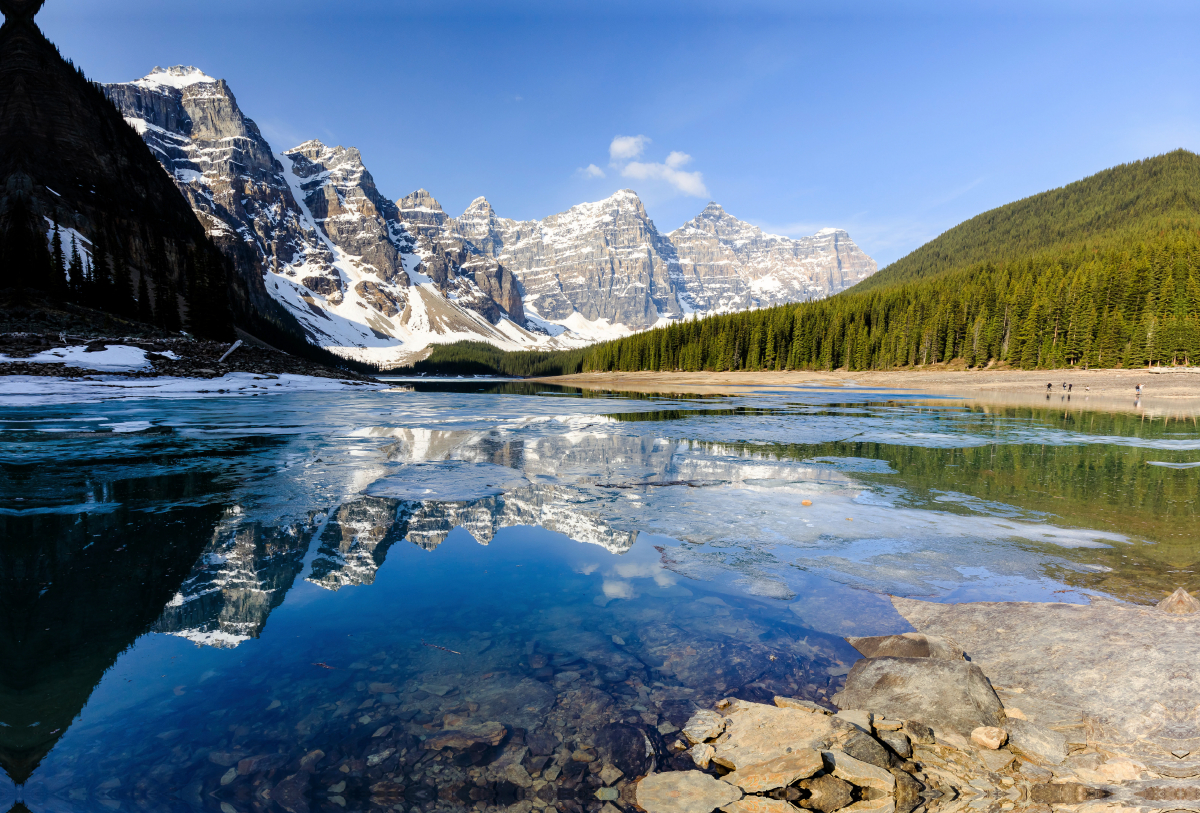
(945, 694)
(908, 645)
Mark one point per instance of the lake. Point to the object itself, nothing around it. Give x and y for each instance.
(443, 595)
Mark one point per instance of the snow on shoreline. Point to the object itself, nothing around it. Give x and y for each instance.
(113, 358)
(34, 390)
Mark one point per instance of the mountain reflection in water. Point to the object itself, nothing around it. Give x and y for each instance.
(635, 557)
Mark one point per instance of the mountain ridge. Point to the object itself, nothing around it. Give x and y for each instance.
(381, 281)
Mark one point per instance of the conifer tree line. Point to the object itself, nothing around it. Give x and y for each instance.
(101, 277)
(1126, 305)
(1104, 272)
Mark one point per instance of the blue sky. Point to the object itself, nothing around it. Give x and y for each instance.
(893, 120)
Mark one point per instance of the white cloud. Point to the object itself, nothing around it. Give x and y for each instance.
(689, 183)
(623, 153)
(678, 159)
(626, 148)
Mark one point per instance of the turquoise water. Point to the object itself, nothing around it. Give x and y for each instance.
(199, 595)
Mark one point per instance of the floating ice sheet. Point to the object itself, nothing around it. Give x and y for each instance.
(447, 481)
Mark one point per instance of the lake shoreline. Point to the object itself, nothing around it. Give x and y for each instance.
(1157, 383)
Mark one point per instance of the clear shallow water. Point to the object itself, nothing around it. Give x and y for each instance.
(188, 584)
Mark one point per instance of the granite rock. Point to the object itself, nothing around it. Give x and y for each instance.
(684, 792)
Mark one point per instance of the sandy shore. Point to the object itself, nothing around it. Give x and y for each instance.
(1164, 391)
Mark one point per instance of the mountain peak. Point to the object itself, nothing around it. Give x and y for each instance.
(20, 9)
(421, 199)
(479, 206)
(177, 76)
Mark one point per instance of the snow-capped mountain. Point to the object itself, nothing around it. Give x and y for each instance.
(728, 265)
(381, 281)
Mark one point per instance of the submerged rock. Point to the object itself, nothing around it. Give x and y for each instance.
(460, 739)
(684, 792)
(629, 748)
(951, 695)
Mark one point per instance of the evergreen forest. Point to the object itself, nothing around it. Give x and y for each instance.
(1104, 272)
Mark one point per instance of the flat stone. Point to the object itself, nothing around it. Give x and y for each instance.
(859, 773)
(701, 754)
(437, 688)
(996, 761)
(898, 741)
(684, 792)
(490, 733)
(858, 717)
(609, 774)
(382, 688)
(987, 736)
(797, 703)
(703, 725)
(608, 794)
(865, 748)
(582, 756)
(945, 694)
(826, 793)
(884, 724)
(777, 773)
(918, 732)
(759, 804)
(757, 733)
(908, 645)
(518, 776)
(1037, 742)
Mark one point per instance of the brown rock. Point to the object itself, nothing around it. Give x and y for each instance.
(490, 733)
(990, 737)
(777, 773)
(261, 762)
(703, 725)
(757, 733)
(684, 792)
(826, 793)
(859, 773)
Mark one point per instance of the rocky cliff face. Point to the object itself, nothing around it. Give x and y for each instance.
(381, 281)
(728, 265)
(603, 269)
(311, 224)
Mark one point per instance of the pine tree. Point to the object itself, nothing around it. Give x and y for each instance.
(75, 271)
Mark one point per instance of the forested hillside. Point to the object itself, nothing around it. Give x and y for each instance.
(1104, 272)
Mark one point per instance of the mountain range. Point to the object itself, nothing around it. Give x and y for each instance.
(379, 281)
